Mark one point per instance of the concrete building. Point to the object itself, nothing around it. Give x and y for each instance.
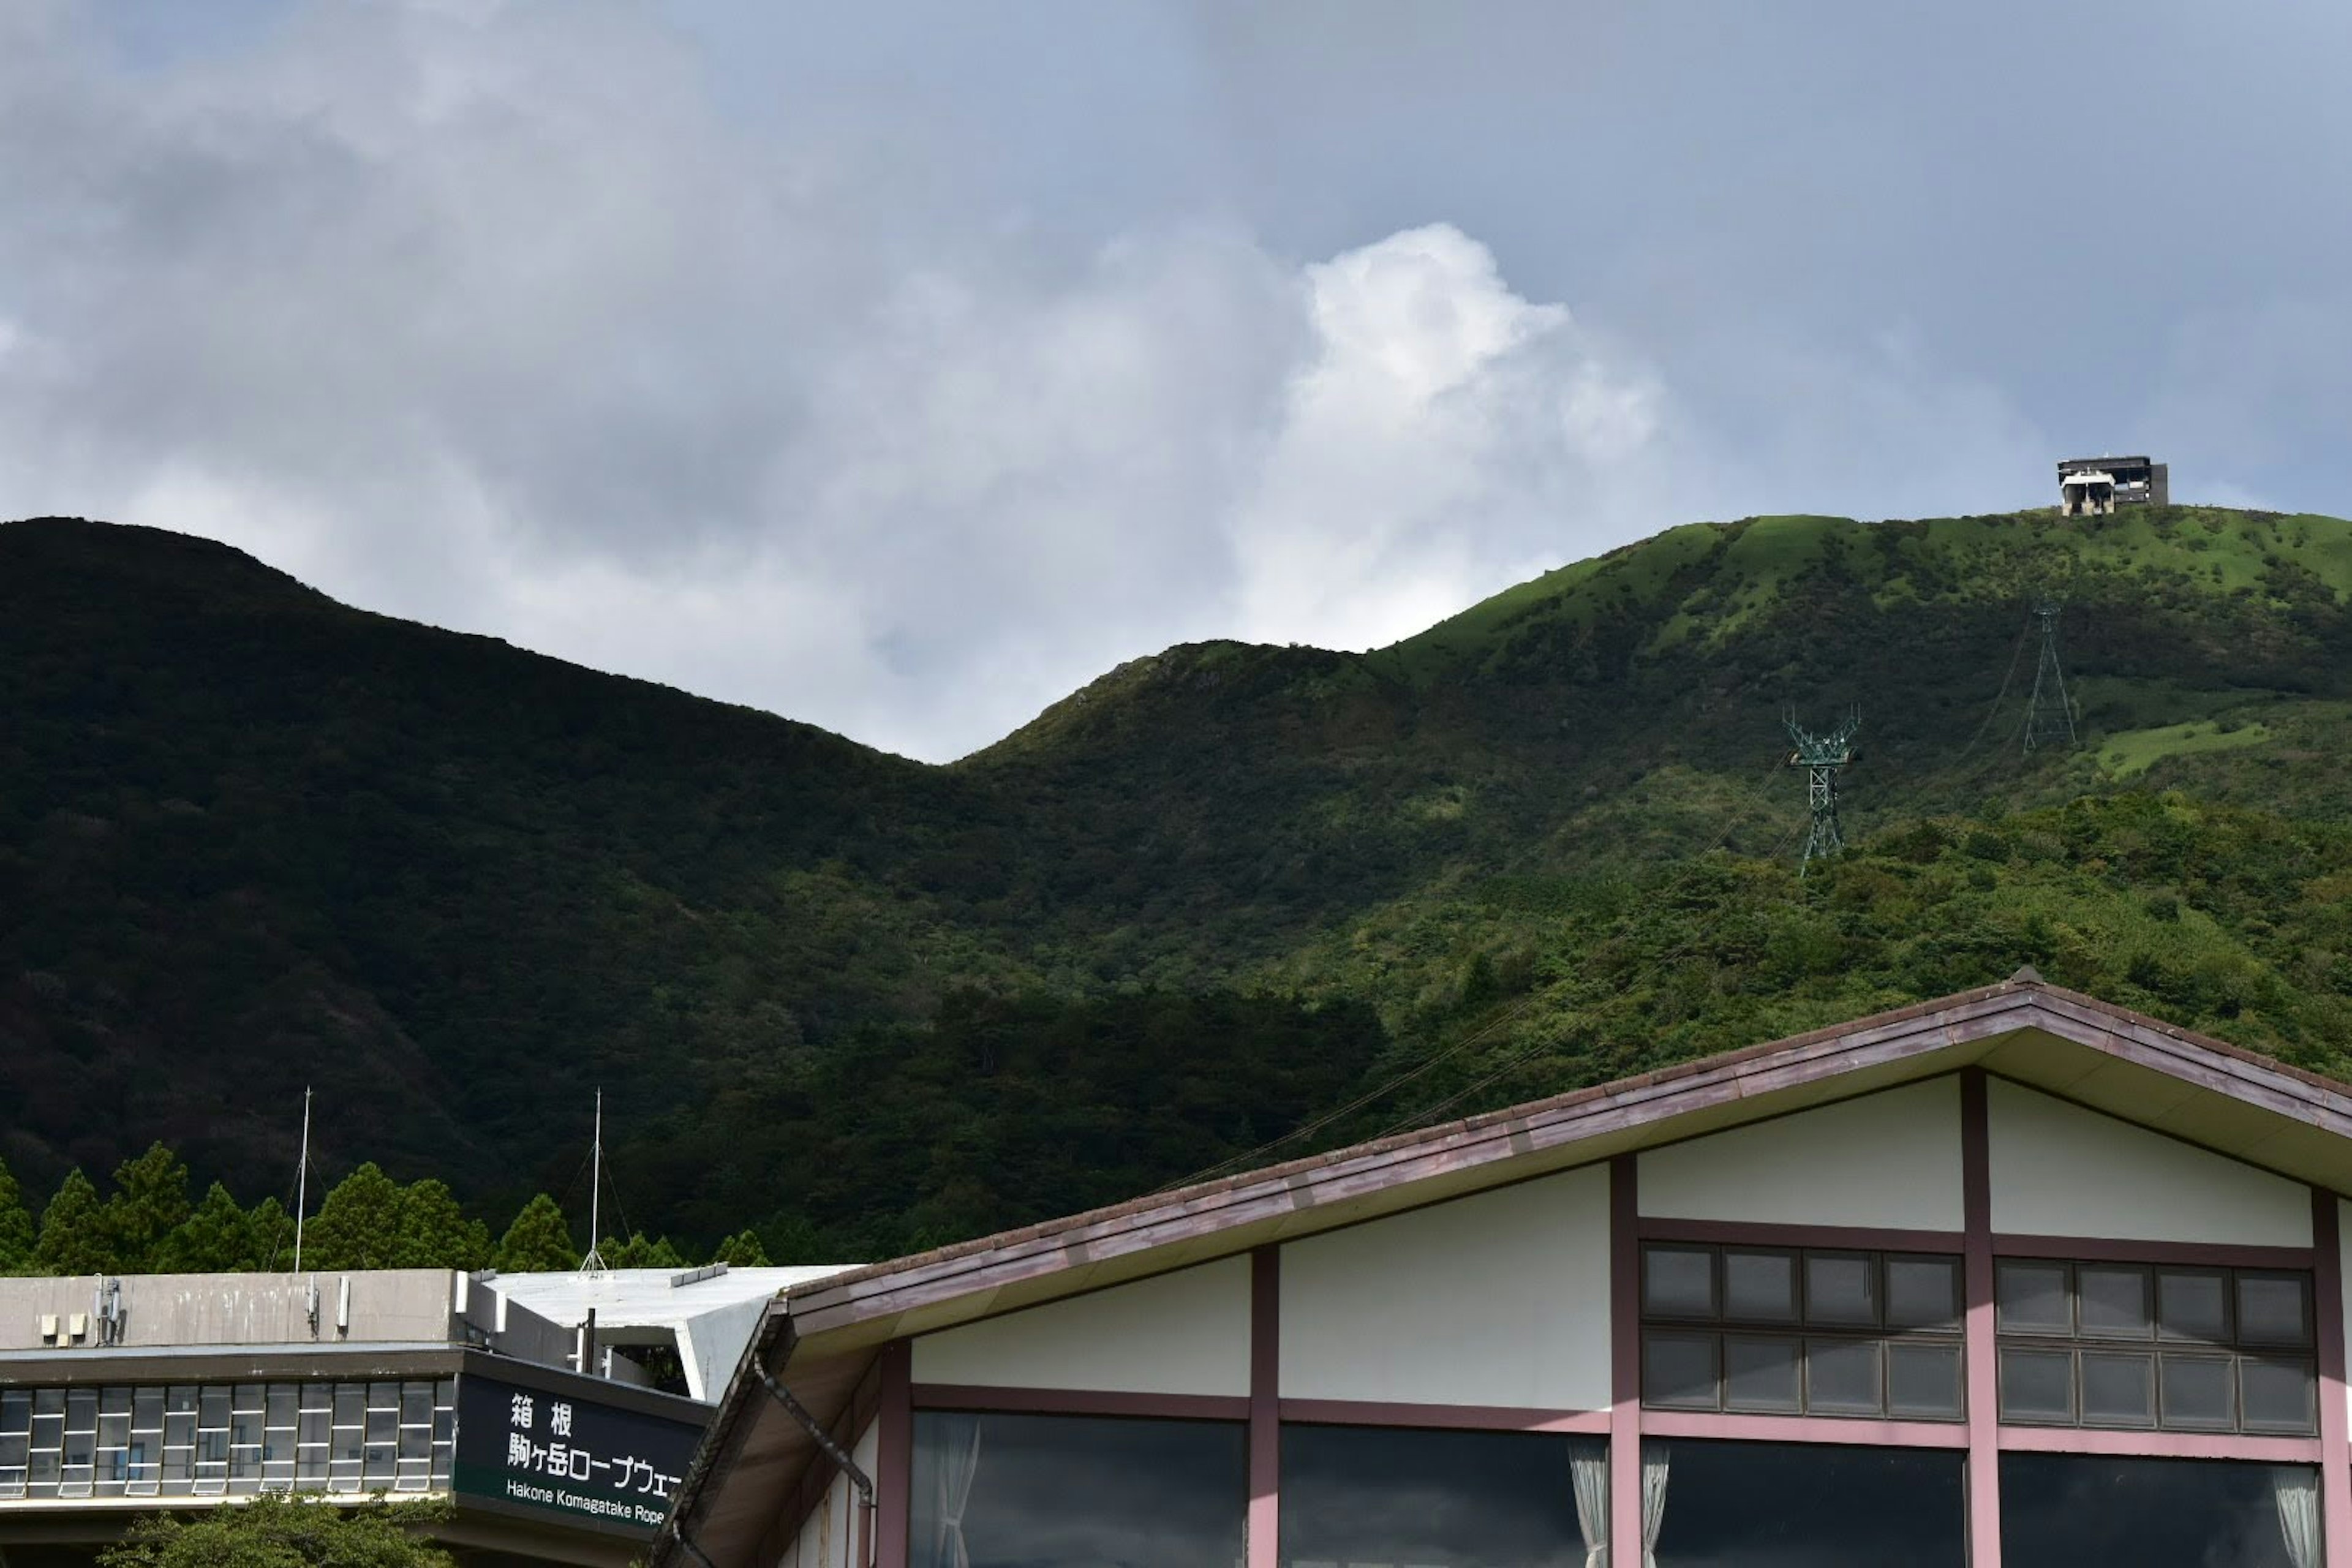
(126, 1395)
(2011, 1278)
(694, 1320)
(2091, 486)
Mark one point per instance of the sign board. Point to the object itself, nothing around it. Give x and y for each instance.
(591, 1462)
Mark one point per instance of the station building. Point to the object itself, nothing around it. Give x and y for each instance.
(123, 1396)
(2011, 1278)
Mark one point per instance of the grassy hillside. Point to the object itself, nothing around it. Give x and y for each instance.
(250, 839)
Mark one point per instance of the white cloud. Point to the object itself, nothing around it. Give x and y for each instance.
(482, 314)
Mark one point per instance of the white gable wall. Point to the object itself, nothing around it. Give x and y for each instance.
(1499, 1298)
(2060, 1170)
(1890, 1159)
(1183, 1332)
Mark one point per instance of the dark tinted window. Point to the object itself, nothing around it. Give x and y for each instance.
(1374, 1494)
(1046, 1491)
(2066, 1510)
(1769, 1505)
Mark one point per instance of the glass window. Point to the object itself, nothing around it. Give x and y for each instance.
(2274, 1310)
(2033, 1297)
(2198, 1392)
(1841, 1378)
(1770, 1505)
(1923, 1380)
(1385, 1495)
(2114, 1301)
(1922, 1292)
(2276, 1396)
(1678, 1369)
(2192, 1304)
(1060, 1492)
(2118, 1388)
(2036, 1384)
(1842, 1287)
(1678, 1281)
(2064, 1511)
(1761, 1373)
(1759, 1287)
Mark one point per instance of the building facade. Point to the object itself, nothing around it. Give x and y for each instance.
(2091, 486)
(123, 1396)
(2014, 1277)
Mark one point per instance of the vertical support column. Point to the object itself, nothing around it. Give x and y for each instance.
(2327, 1313)
(894, 1457)
(1266, 1408)
(1625, 1361)
(1983, 1352)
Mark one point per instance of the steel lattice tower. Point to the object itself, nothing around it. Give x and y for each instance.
(2050, 713)
(1821, 756)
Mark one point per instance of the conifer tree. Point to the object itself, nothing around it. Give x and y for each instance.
(73, 1237)
(359, 1224)
(272, 1230)
(15, 1225)
(742, 1251)
(150, 1200)
(215, 1238)
(538, 1239)
(640, 1251)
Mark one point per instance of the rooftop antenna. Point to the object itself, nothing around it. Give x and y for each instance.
(2050, 713)
(594, 1262)
(302, 1180)
(1821, 756)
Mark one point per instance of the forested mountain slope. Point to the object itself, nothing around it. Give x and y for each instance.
(250, 839)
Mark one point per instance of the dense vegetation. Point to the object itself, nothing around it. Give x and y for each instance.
(250, 839)
(275, 1529)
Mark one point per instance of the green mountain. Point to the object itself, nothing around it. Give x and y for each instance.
(252, 839)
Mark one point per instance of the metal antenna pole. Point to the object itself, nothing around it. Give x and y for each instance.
(302, 1182)
(594, 1262)
(1821, 756)
(2050, 713)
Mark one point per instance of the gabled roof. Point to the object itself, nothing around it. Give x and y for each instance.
(819, 1337)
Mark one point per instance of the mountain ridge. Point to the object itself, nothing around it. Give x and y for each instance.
(252, 834)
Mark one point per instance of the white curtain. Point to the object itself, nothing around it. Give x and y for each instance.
(1589, 1475)
(1654, 1456)
(954, 1459)
(2295, 1490)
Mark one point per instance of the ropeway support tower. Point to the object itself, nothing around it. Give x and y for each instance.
(1821, 756)
(2049, 713)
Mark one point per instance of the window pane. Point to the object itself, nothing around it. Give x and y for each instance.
(1760, 1374)
(2033, 1297)
(1678, 1281)
(1841, 1287)
(2114, 1301)
(1059, 1491)
(2191, 1304)
(1678, 1369)
(1922, 1292)
(2277, 1395)
(1923, 1379)
(1841, 1378)
(1759, 1287)
(2274, 1310)
(2036, 1385)
(1372, 1494)
(2070, 1511)
(2118, 1389)
(1780, 1505)
(2197, 1392)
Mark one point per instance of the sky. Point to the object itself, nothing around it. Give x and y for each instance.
(901, 368)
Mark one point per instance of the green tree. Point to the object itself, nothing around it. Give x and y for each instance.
(73, 1238)
(742, 1251)
(150, 1200)
(537, 1239)
(15, 1225)
(640, 1251)
(370, 1221)
(273, 1235)
(273, 1531)
(215, 1238)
